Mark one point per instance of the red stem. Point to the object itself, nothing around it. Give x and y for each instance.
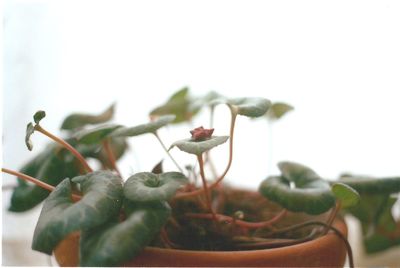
(241, 223)
(220, 178)
(110, 155)
(36, 181)
(206, 192)
(66, 145)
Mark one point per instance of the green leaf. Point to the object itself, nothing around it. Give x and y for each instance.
(54, 164)
(101, 201)
(250, 107)
(78, 120)
(278, 110)
(30, 129)
(311, 193)
(298, 173)
(368, 185)
(95, 135)
(179, 104)
(199, 147)
(146, 186)
(115, 243)
(151, 127)
(379, 227)
(347, 196)
(48, 167)
(118, 146)
(39, 115)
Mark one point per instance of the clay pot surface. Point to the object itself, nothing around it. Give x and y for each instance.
(326, 251)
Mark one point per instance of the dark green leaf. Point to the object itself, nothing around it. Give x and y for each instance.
(29, 131)
(115, 243)
(102, 199)
(347, 196)
(48, 167)
(78, 120)
(379, 227)
(198, 147)
(311, 193)
(53, 165)
(367, 185)
(95, 135)
(298, 173)
(151, 127)
(39, 115)
(277, 110)
(146, 186)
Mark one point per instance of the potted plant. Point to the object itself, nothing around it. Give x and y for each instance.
(190, 217)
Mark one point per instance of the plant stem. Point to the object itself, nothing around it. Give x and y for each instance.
(220, 178)
(168, 153)
(110, 155)
(332, 216)
(206, 191)
(35, 181)
(336, 231)
(241, 223)
(66, 145)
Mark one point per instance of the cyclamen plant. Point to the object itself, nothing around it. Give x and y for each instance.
(117, 217)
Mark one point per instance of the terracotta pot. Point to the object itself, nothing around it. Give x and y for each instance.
(326, 251)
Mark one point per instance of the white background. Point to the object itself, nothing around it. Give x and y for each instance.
(337, 62)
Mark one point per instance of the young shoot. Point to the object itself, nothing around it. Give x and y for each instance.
(32, 128)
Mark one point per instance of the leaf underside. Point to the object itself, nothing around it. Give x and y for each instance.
(198, 147)
(151, 127)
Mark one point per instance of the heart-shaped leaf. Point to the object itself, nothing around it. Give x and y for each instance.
(198, 147)
(78, 120)
(311, 193)
(277, 110)
(250, 107)
(347, 196)
(30, 129)
(101, 201)
(151, 127)
(95, 135)
(179, 104)
(39, 115)
(146, 186)
(117, 242)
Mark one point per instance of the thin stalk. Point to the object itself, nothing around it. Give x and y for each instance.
(206, 191)
(168, 153)
(110, 155)
(241, 223)
(35, 181)
(220, 178)
(336, 231)
(332, 216)
(66, 145)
